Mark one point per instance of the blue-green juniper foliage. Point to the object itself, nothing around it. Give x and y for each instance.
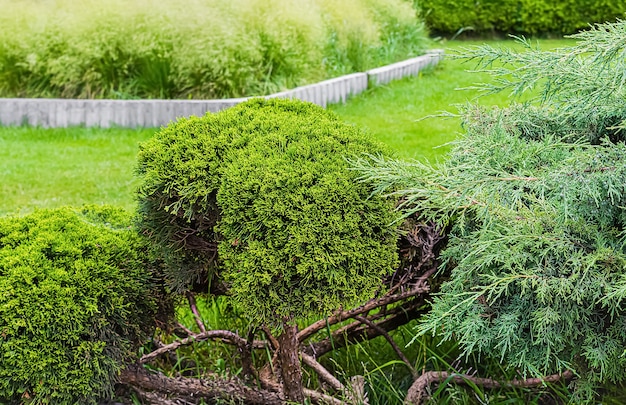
(534, 196)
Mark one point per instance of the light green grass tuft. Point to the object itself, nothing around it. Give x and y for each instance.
(197, 48)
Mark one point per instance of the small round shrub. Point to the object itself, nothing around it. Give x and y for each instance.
(266, 185)
(76, 296)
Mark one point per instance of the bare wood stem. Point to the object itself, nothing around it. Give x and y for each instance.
(357, 331)
(270, 337)
(191, 389)
(342, 315)
(196, 313)
(322, 372)
(319, 398)
(290, 368)
(417, 393)
(226, 335)
(419, 282)
(185, 329)
(153, 398)
(245, 352)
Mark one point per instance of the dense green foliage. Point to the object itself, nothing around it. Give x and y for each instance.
(76, 297)
(518, 17)
(196, 49)
(267, 183)
(534, 198)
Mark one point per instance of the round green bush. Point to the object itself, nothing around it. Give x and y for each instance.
(76, 297)
(261, 195)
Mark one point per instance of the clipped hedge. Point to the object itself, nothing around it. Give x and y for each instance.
(261, 195)
(77, 295)
(528, 17)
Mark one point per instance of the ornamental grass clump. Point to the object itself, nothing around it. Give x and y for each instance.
(534, 198)
(78, 294)
(260, 197)
(199, 49)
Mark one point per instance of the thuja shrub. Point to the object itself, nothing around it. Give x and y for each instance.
(260, 196)
(530, 17)
(77, 295)
(534, 196)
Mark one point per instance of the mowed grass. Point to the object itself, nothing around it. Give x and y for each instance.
(55, 167)
(44, 168)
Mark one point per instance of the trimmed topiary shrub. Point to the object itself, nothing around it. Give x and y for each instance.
(77, 294)
(529, 17)
(260, 196)
(266, 185)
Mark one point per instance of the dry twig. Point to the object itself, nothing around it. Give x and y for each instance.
(227, 336)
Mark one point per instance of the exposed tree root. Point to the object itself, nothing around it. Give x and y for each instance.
(278, 381)
(418, 392)
(193, 389)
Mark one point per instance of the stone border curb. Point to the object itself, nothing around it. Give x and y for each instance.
(51, 113)
(409, 67)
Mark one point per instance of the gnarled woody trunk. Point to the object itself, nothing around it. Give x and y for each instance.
(290, 363)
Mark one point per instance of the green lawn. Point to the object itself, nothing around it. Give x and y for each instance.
(55, 167)
(397, 113)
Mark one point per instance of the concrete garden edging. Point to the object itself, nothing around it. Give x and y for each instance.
(51, 113)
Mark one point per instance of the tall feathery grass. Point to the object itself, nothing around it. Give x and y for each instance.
(195, 48)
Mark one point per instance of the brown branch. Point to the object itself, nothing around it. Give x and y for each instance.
(195, 312)
(357, 332)
(270, 337)
(188, 332)
(417, 393)
(322, 372)
(245, 352)
(342, 315)
(290, 367)
(227, 336)
(191, 389)
(319, 398)
(268, 381)
(391, 342)
(153, 398)
(426, 240)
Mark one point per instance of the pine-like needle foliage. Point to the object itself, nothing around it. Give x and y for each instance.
(534, 197)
